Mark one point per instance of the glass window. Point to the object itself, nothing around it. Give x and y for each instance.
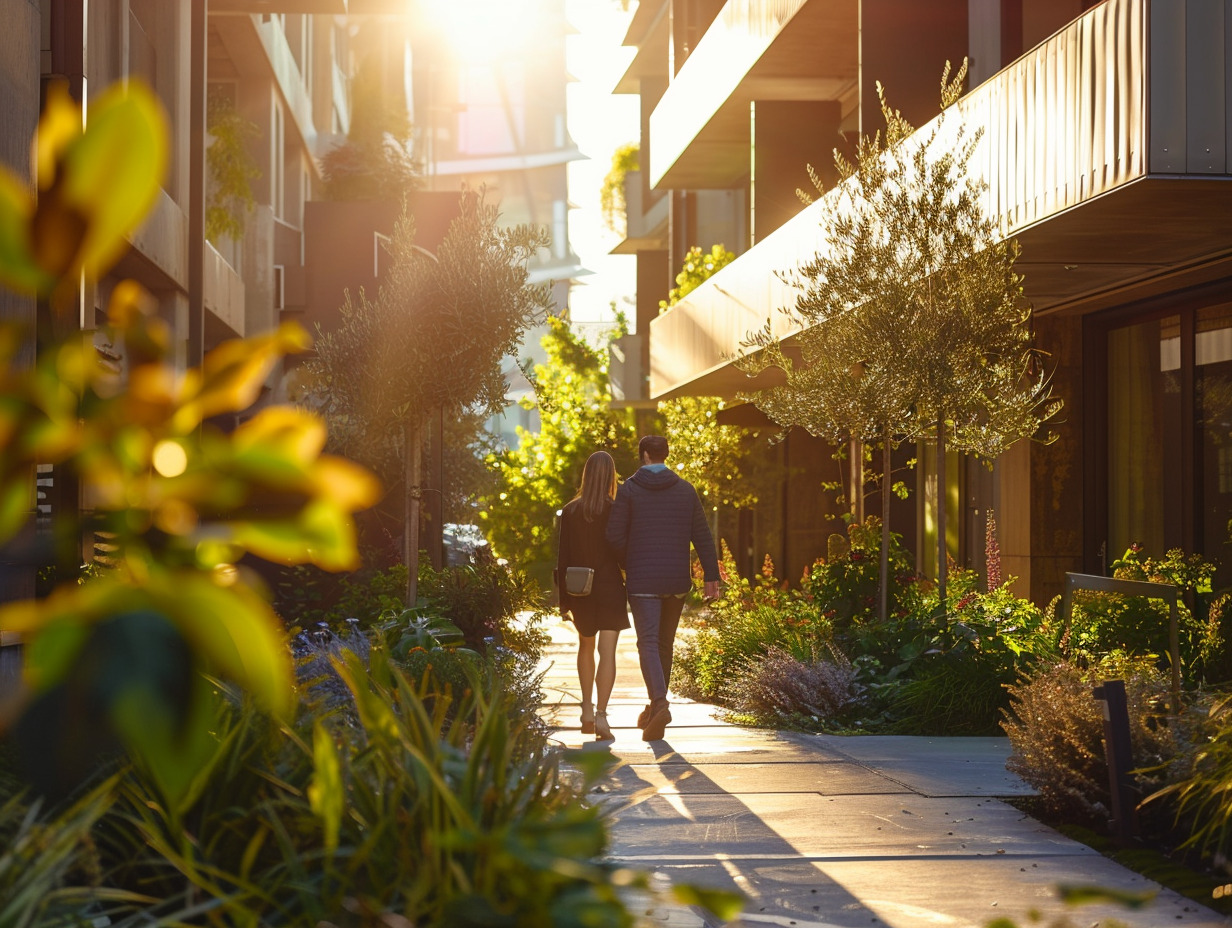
(1145, 413)
(1213, 384)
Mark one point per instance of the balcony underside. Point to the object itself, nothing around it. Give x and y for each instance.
(338, 7)
(701, 126)
(1150, 236)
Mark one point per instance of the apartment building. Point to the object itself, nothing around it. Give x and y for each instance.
(1107, 151)
(489, 108)
(284, 70)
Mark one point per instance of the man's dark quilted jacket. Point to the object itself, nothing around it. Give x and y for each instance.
(654, 518)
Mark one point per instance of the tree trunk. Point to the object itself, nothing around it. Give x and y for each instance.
(884, 606)
(412, 467)
(856, 450)
(942, 499)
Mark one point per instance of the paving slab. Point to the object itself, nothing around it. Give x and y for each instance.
(822, 777)
(825, 831)
(711, 744)
(865, 826)
(950, 893)
(622, 715)
(932, 766)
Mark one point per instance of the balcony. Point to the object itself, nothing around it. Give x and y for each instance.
(1104, 153)
(224, 299)
(645, 222)
(755, 49)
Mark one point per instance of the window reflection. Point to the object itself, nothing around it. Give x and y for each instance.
(1213, 383)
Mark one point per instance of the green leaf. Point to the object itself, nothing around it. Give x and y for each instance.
(233, 629)
(1081, 894)
(722, 903)
(171, 739)
(325, 792)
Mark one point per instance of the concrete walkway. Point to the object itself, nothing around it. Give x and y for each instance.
(824, 831)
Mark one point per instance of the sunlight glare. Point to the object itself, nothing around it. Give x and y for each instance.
(483, 30)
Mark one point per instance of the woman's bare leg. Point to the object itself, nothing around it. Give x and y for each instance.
(586, 668)
(606, 677)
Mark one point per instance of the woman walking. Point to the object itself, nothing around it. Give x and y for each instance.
(601, 613)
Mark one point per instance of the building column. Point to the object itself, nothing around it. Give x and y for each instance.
(787, 136)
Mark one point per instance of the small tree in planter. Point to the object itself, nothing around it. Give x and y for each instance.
(924, 311)
(433, 339)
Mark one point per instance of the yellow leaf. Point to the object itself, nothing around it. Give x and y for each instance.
(288, 431)
(59, 127)
(234, 372)
(347, 484)
(113, 173)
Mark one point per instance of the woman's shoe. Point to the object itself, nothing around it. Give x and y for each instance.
(656, 724)
(588, 718)
(603, 731)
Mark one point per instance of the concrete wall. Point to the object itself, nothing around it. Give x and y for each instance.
(19, 103)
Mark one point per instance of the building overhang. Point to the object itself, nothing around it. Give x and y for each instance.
(648, 32)
(337, 7)
(1103, 200)
(791, 50)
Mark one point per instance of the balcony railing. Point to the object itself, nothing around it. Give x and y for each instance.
(1066, 123)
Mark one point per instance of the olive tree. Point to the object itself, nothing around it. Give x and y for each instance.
(913, 322)
(432, 341)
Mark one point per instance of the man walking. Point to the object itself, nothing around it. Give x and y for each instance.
(655, 516)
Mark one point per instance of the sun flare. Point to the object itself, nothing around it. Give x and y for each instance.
(483, 30)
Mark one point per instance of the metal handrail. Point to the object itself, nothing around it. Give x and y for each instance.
(1165, 591)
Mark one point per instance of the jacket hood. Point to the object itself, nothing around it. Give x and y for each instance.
(655, 480)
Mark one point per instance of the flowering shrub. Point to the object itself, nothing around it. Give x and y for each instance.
(766, 651)
(738, 628)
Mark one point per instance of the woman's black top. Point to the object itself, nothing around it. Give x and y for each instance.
(582, 544)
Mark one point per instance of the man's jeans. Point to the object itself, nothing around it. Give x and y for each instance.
(655, 619)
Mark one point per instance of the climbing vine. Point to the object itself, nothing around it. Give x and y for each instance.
(612, 195)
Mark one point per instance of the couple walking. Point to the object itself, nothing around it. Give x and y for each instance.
(645, 526)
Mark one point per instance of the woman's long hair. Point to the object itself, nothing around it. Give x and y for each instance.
(598, 485)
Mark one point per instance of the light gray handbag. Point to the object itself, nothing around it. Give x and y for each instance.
(578, 580)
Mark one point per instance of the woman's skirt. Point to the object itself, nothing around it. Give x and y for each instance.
(605, 609)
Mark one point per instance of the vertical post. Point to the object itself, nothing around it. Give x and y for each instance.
(439, 459)
(196, 182)
(942, 500)
(883, 607)
(412, 446)
(1174, 652)
(1119, 756)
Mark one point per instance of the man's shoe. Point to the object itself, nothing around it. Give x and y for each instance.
(644, 716)
(657, 722)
